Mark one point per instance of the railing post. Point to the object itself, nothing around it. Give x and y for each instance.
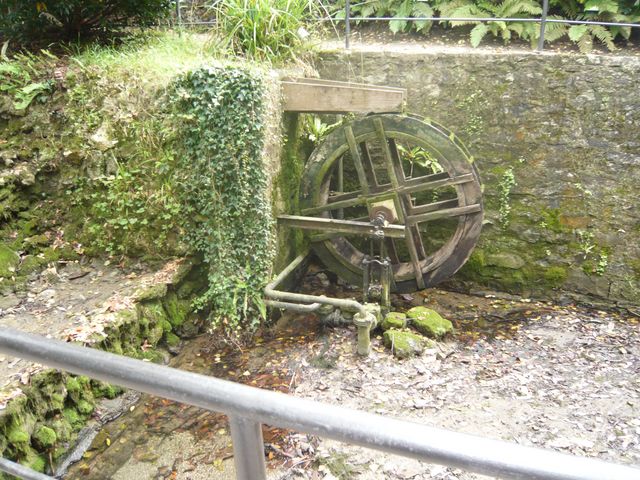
(543, 24)
(347, 23)
(178, 13)
(248, 449)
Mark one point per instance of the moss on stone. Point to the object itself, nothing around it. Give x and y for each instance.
(35, 462)
(177, 309)
(395, 320)
(429, 322)
(85, 407)
(105, 390)
(72, 416)
(62, 428)
(45, 437)
(154, 292)
(171, 339)
(9, 261)
(555, 276)
(73, 385)
(404, 344)
(16, 434)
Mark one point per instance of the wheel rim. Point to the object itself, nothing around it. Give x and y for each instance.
(419, 168)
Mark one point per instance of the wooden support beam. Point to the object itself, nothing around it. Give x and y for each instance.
(314, 95)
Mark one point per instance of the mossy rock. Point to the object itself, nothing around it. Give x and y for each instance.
(171, 339)
(62, 428)
(189, 288)
(429, 322)
(17, 435)
(105, 390)
(9, 261)
(154, 292)
(35, 462)
(44, 437)
(85, 407)
(404, 344)
(30, 264)
(72, 416)
(395, 320)
(177, 309)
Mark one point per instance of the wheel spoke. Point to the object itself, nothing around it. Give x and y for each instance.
(436, 180)
(444, 213)
(386, 153)
(367, 164)
(397, 160)
(357, 160)
(415, 262)
(432, 207)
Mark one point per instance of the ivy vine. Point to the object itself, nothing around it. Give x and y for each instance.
(223, 185)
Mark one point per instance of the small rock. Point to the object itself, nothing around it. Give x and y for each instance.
(323, 279)
(404, 344)
(505, 260)
(429, 322)
(395, 320)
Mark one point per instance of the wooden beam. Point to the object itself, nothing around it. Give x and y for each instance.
(330, 96)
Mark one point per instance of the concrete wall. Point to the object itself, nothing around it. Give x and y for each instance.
(567, 126)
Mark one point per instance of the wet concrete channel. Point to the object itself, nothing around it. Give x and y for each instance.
(159, 439)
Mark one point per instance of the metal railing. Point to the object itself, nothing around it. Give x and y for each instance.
(543, 21)
(248, 407)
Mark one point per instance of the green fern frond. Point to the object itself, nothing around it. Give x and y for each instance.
(511, 8)
(576, 32)
(467, 11)
(478, 33)
(585, 43)
(604, 35)
(422, 9)
(446, 9)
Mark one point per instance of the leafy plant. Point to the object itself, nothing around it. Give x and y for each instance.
(625, 11)
(222, 184)
(507, 182)
(22, 78)
(265, 29)
(30, 20)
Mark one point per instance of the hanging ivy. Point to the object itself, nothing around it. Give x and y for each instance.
(223, 186)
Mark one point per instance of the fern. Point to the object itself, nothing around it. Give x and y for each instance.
(478, 33)
(422, 9)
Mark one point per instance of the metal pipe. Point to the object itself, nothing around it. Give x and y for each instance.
(543, 24)
(469, 452)
(296, 307)
(248, 449)
(272, 294)
(21, 471)
(347, 25)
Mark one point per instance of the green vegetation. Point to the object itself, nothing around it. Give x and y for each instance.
(52, 20)
(222, 184)
(507, 182)
(263, 29)
(626, 11)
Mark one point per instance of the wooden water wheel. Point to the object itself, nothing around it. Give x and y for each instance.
(418, 174)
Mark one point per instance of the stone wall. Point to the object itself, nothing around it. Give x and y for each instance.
(566, 126)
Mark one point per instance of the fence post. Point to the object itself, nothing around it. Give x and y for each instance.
(178, 13)
(543, 24)
(347, 23)
(248, 449)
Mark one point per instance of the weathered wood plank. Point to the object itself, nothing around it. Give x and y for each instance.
(325, 96)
